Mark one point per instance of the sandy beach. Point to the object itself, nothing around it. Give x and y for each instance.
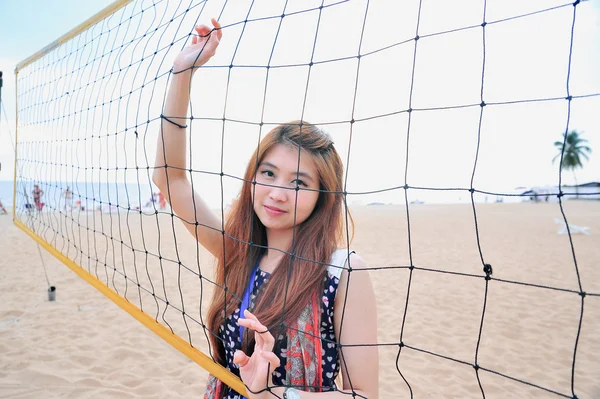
(84, 346)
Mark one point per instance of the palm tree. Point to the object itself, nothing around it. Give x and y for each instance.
(574, 150)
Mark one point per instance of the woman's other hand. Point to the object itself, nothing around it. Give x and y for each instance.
(256, 370)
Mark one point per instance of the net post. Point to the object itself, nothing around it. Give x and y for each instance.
(14, 207)
(1, 105)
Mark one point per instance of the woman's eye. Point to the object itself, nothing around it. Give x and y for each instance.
(267, 173)
(299, 182)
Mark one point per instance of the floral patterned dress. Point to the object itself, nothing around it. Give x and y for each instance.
(230, 334)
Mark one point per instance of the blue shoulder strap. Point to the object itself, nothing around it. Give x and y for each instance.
(246, 299)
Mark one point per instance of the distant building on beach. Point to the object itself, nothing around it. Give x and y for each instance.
(590, 191)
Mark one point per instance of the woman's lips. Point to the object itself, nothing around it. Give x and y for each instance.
(274, 211)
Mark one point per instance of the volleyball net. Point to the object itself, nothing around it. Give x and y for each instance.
(416, 97)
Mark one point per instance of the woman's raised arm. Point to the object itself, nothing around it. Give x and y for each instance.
(170, 174)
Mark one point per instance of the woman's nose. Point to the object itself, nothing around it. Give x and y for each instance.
(278, 193)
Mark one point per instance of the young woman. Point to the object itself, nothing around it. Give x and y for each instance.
(279, 251)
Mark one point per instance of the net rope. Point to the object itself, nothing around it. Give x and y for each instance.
(89, 111)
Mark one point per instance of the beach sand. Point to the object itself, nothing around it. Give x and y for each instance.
(84, 346)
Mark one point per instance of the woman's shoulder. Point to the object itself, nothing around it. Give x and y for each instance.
(341, 259)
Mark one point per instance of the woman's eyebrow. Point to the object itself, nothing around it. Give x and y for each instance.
(269, 164)
(298, 173)
(304, 175)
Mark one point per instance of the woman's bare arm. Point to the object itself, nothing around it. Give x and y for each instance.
(359, 364)
(170, 175)
(355, 301)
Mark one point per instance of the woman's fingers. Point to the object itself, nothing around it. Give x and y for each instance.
(205, 41)
(254, 323)
(208, 37)
(255, 326)
(240, 358)
(263, 337)
(217, 26)
(272, 359)
(203, 30)
(248, 314)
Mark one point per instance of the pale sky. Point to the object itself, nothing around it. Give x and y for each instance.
(525, 58)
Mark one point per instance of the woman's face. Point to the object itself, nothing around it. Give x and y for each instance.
(275, 191)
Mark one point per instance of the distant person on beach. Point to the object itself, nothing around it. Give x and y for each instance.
(37, 194)
(68, 194)
(151, 201)
(158, 200)
(3, 210)
(162, 202)
(280, 250)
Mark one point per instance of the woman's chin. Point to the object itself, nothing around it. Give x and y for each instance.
(275, 223)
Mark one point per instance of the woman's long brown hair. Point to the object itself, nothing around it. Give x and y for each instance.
(297, 277)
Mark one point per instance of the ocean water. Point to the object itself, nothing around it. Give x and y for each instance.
(90, 193)
(96, 194)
